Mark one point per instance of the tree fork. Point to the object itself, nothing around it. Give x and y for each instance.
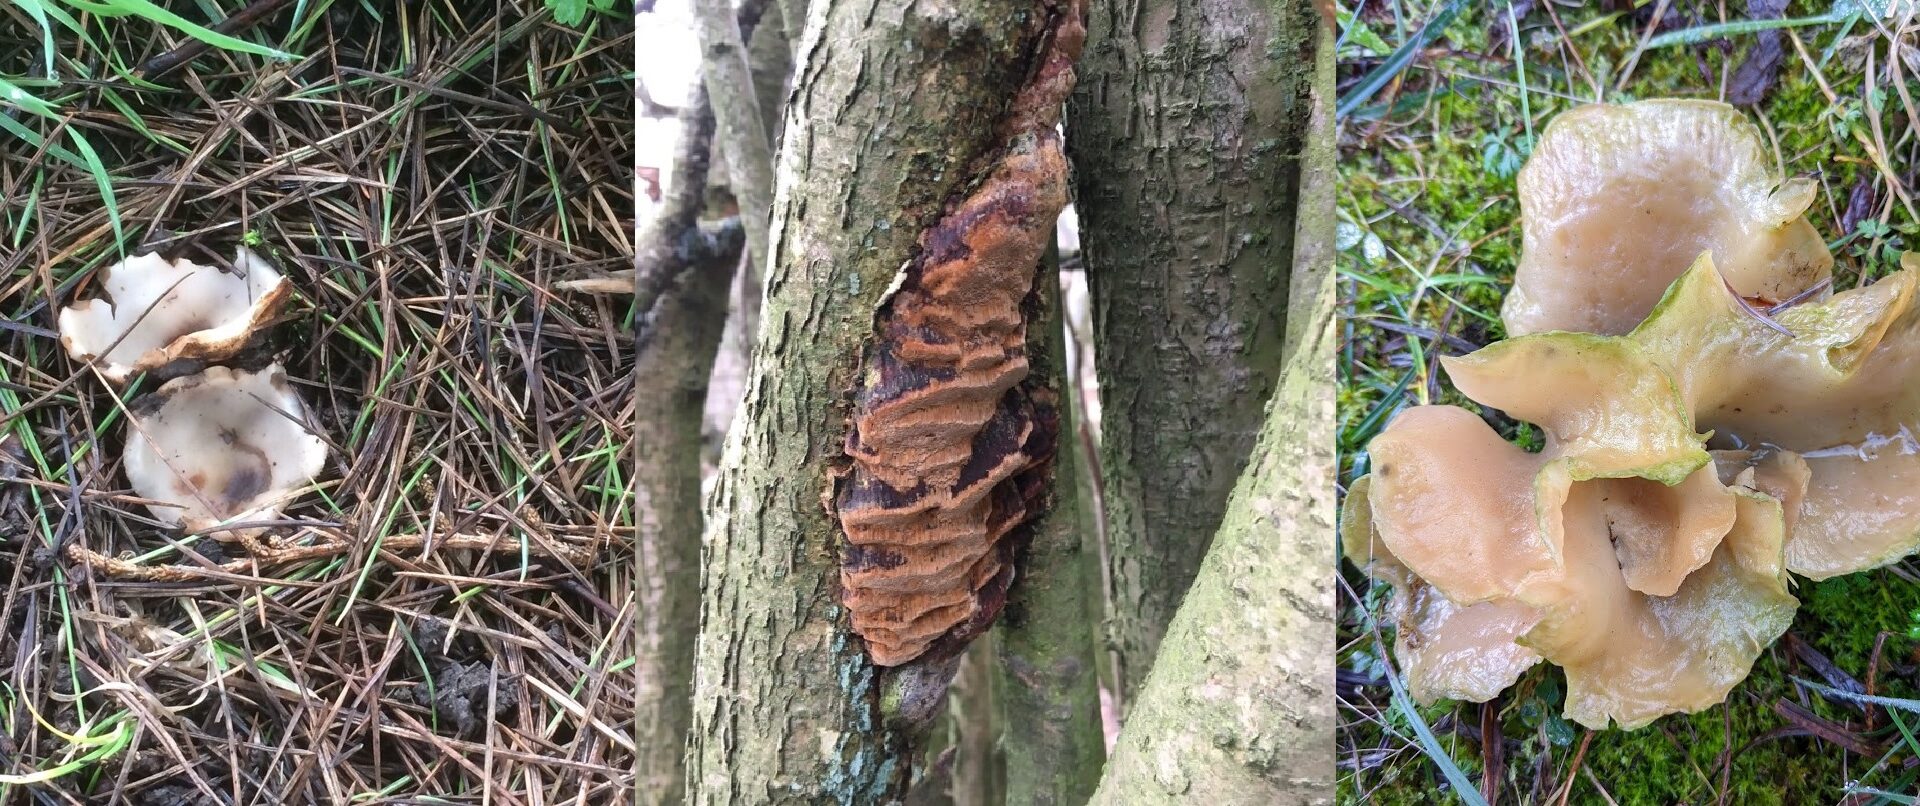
(1185, 133)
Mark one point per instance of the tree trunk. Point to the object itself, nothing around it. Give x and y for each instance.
(674, 366)
(1239, 704)
(1184, 131)
(978, 765)
(894, 103)
(1048, 687)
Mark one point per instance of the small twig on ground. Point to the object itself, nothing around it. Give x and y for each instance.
(263, 556)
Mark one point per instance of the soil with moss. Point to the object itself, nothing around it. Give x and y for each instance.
(424, 174)
(1428, 239)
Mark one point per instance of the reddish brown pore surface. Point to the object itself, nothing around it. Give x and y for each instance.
(950, 448)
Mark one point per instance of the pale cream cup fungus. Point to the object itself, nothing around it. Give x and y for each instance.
(1617, 200)
(157, 312)
(221, 446)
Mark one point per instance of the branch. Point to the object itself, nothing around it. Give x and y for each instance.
(747, 141)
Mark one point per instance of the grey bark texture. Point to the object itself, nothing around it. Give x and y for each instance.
(745, 138)
(892, 101)
(1239, 706)
(1185, 132)
(1048, 687)
(674, 364)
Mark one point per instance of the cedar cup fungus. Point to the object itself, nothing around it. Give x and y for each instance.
(221, 446)
(161, 314)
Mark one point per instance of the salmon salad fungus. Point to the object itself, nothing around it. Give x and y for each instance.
(1714, 419)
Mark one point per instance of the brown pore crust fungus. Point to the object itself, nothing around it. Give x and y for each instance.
(1654, 581)
(1616, 200)
(221, 446)
(158, 312)
(949, 447)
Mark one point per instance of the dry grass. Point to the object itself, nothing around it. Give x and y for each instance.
(424, 175)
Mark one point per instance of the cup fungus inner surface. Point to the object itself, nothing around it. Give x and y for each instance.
(157, 311)
(221, 446)
(1654, 597)
(1616, 200)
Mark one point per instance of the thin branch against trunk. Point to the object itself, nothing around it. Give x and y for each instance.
(650, 108)
(1185, 131)
(770, 60)
(684, 319)
(1239, 706)
(979, 764)
(895, 102)
(744, 137)
(1048, 684)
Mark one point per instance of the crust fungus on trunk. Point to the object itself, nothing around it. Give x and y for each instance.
(949, 447)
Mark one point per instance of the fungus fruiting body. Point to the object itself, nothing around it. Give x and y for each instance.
(1617, 200)
(156, 312)
(221, 446)
(950, 447)
(1714, 416)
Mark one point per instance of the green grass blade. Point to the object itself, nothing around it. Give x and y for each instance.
(1398, 62)
(102, 180)
(13, 94)
(38, 12)
(1695, 36)
(152, 13)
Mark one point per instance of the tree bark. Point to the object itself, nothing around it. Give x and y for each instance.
(894, 100)
(1184, 130)
(745, 138)
(770, 61)
(1239, 705)
(1048, 688)
(674, 364)
(979, 768)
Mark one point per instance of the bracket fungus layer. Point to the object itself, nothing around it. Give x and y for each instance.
(221, 446)
(157, 312)
(950, 447)
(1616, 200)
